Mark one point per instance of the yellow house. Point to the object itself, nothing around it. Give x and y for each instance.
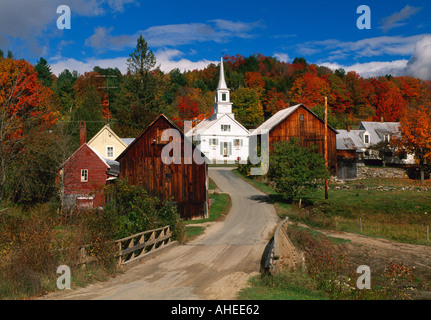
(108, 144)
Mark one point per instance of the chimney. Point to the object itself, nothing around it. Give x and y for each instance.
(348, 127)
(82, 133)
(381, 119)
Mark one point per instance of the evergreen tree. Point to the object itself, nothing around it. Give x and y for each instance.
(44, 72)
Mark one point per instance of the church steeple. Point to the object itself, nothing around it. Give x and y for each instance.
(221, 81)
(222, 104)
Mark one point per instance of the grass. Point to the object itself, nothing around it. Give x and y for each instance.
(284, 286)
(398, 215)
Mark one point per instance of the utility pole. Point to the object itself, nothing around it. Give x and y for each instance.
(326, 145)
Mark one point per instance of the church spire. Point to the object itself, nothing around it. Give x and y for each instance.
(222, 104)
(222, 81)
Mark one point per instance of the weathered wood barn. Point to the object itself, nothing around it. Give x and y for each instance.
(185, 181)
(300, 122)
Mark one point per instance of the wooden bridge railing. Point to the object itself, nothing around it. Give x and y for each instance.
(136, 246)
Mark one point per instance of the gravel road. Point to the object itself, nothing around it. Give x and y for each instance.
(216, 265)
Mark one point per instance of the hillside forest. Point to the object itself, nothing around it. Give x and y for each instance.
(41, 111)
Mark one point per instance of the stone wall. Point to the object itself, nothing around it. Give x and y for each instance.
(388, 172)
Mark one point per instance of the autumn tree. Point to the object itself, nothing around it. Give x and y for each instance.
(309, 89)
(387, 99)
(415, 135)
(26, 116)
(247, 107)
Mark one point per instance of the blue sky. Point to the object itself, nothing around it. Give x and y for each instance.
(189, 34)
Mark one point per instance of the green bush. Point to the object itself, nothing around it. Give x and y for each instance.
(296, 170)
(136, 211)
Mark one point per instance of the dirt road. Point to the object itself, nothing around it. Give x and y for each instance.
(216, 265)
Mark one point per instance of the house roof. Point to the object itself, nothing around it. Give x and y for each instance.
(127, 141)
(280, 116)
(349, 140)
(377, 130)
(113, 167)
(108, 128)
(204, 125)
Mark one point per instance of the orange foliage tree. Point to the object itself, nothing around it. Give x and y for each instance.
(26, 113)
(415, 134)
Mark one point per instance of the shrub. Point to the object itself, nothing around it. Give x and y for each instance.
(136, 211)
(296, 170)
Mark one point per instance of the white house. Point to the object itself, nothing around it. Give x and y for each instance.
(221, 137)
(370, 134)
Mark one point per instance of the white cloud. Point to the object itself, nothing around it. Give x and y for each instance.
(420, 63)
(219, 31)
(283, 57)
(396, 20)
(373, 69)
(30, 20)
(369, 47)
(167, 59)
(71, 64)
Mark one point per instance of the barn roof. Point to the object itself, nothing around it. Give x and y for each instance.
(149, 126)
(281, 115)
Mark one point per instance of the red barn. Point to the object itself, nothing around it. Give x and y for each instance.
(85, 174)
(185, 181)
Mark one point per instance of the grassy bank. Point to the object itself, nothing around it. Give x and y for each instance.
(220, 207)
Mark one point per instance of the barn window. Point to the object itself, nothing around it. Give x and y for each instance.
(84, 175)
(301, 117)
(225, 127)
(110, 152)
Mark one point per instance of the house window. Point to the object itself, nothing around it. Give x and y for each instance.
(223, 97)
(110, 152)
(237, 142)
(84, 175)
(366, 138)
(225, 127)
(213, 142)
(225, 148)
(386, 137)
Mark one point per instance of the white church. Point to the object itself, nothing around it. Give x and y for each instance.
(222, 138)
